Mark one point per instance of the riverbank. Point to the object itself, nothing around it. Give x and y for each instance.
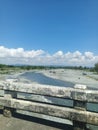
(67, 75)
(75, 76)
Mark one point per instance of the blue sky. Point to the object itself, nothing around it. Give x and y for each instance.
(52, 26)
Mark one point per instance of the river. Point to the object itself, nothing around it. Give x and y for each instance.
(42, 79)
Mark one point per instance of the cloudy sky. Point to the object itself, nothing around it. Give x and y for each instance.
(49, 32)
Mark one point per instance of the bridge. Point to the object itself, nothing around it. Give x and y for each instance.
(17, 96)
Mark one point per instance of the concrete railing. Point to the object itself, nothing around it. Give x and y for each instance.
(19, 96)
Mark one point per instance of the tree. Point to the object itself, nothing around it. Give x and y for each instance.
(96, 67)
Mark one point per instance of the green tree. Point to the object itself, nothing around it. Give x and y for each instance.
(96, 67)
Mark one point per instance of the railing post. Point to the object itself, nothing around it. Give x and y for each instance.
(7, 112)
(79, 105)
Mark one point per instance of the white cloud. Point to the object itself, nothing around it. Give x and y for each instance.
(19, 52)
(89, 55)
(40, 57)
(58, 54)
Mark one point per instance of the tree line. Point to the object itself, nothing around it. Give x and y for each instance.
(30, 67)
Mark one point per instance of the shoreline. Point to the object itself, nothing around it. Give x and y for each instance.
(74, 76)
(67, 75)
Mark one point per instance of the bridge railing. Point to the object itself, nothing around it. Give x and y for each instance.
(19, 96)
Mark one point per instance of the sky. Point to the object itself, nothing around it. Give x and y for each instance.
(49, 32)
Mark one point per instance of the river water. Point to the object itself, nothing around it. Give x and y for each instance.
(42, 79)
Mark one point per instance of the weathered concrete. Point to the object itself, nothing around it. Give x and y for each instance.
(54, 91)
(12, 99)
(57, 111)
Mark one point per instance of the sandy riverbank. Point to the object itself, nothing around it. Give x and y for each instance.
(14, 77)
(75, 76)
